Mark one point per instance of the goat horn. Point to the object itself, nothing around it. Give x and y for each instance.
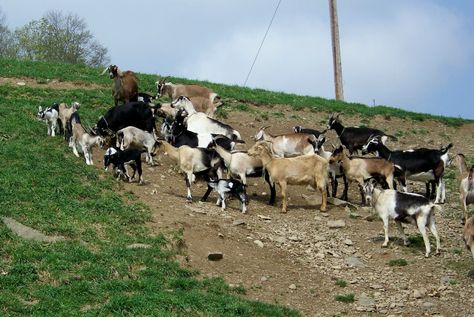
(105, 70)
(265, 127)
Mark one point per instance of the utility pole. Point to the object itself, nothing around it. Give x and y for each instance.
(336, 50)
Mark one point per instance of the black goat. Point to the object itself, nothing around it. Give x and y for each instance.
(423, 165)
(354, 138)
(119, 159)
(232, 186)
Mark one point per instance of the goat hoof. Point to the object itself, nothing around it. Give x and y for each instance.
(384, 245)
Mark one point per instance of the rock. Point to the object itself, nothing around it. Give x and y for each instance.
(215, 256)
(294, 238)
(348, 242)
(319, 238)
(238, 222)
(21, 83)
(28, 233)
(470, 274)
(196, 209)
(353, 261)
(312, 200)
(417, 294)
(258, 243)
(292, 287)
(138, 246)
(264, 279)
(278, 239)
(428, 305)
(264, 217)
(334, 224)
(365, 303)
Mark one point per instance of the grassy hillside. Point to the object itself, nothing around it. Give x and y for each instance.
(79, 73)
(92, 272)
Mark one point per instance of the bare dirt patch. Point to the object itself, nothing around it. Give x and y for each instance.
(303, 263)
(48, 83)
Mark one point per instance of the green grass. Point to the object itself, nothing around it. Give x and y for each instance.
(91, 272)
(341, 283)
(81, 73)
(345, 298)
(398, 262)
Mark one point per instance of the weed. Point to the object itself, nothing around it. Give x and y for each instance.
(345, 298)
(398, 262)
(341, 283)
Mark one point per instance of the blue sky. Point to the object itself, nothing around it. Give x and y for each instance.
(415, 55)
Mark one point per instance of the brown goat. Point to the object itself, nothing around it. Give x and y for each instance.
(125, 86)
(301, 170)
(65, 113)
(466, 183)
(360, 169)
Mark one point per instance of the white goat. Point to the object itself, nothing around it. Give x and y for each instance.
(50, 117)
(83, 140)
(288, 145)
(404, 207)
(132, 137)
(199, 122)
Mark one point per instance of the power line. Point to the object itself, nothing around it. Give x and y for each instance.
(261, 44)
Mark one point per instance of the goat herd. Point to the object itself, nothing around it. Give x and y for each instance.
(202, 145)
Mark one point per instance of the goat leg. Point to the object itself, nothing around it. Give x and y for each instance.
(206, 194)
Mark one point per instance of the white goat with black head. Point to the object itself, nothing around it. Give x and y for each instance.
(225, 187)
(50, 116)
(404, 207)
(82, 139)
(288, 145)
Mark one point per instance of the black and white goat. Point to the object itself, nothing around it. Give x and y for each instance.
(354, 138)
(228, 186)
(50, 116)
(121, 159)
(422, 165)
(82, 139)
(404, 207)
(199, 122)
(132, 137)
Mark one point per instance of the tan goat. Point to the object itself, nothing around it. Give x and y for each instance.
(469, 235)
(288, 145)
(301, 170)
(466, 183)
(65, 113)
(360, 169)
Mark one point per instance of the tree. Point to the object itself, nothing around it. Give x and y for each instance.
(61, 38)
(8, 47)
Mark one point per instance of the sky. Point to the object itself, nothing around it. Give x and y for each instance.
(414, 55)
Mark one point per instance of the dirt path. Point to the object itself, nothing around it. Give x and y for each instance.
(303, 261)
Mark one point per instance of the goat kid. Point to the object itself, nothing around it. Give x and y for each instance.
(82, 140)
(228, 186)
(404, 207)
(466, 184)
(50, 116)
(288, 145)
(121, 159)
